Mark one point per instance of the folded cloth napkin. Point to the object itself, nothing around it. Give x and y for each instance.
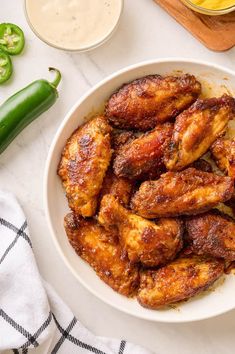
(32, 316)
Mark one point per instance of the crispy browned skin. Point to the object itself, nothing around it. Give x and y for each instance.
(223, 152)
(145, 241)
(142, 158)
(120, 138)
(179, 280)
(212, 234)
(196, 129)
(83, 164)
(181, 193)
(119, 187)
(153, 99)
(91, 242)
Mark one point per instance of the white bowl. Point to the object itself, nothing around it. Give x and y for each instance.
(80, 49)
(212, 303)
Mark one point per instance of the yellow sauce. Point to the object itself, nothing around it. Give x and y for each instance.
(214, 4)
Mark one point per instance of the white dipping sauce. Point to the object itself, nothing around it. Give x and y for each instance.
(73, 24)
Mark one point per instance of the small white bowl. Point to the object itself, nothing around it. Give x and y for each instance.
(80, 49)
(212, 303)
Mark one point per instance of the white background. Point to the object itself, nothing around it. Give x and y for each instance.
(145, 32)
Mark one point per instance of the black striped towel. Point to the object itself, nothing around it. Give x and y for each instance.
(32, 316)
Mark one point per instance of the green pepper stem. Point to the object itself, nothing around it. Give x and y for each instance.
(56, 82)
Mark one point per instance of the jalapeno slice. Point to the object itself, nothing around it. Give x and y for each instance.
(5, 67)
(11, 38)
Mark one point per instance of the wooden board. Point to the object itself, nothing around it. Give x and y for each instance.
(215, 32)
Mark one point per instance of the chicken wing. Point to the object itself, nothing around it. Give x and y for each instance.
(145, 241)
(91, 242)
(83, 164)
(142, 158)
(181, 193)
(223, 152)
(121, 188)
(196, 129)
(120, 138)
(178, 280)
(153, 99)
(212, 234)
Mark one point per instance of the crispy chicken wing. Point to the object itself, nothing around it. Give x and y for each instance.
(181, 193)
(119, 187)
(196, 129)
(91, 242)
(153, 99)
(142, 158)
(223, 152)
(83, 164)
(178, 280)
(145, 241)
(212, 234)
(120, 138)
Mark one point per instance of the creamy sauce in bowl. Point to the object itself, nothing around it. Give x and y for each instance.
(74, 24)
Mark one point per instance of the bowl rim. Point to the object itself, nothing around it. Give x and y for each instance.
(207, 11)
(47, 170)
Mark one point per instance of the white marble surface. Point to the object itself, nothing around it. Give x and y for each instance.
(145, 32)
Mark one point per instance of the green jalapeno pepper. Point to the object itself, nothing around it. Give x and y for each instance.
(24, 106)
(5, 67)
(11, 38)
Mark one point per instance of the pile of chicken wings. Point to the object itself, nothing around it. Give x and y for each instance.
(143, 202)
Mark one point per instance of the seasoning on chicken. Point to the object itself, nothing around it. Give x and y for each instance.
(188, 192)
(83, 164)
(120, 188)
(142, 158)
(212, 234)
(120, 138)
(178, 280)
(196, 129)
(223, 152)
(147, 101)
(145, 241)
(94, 244)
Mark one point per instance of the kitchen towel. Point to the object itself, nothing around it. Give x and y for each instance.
(33, 319)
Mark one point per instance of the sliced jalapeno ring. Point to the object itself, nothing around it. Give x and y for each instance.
(5, 67)
(11, 38)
